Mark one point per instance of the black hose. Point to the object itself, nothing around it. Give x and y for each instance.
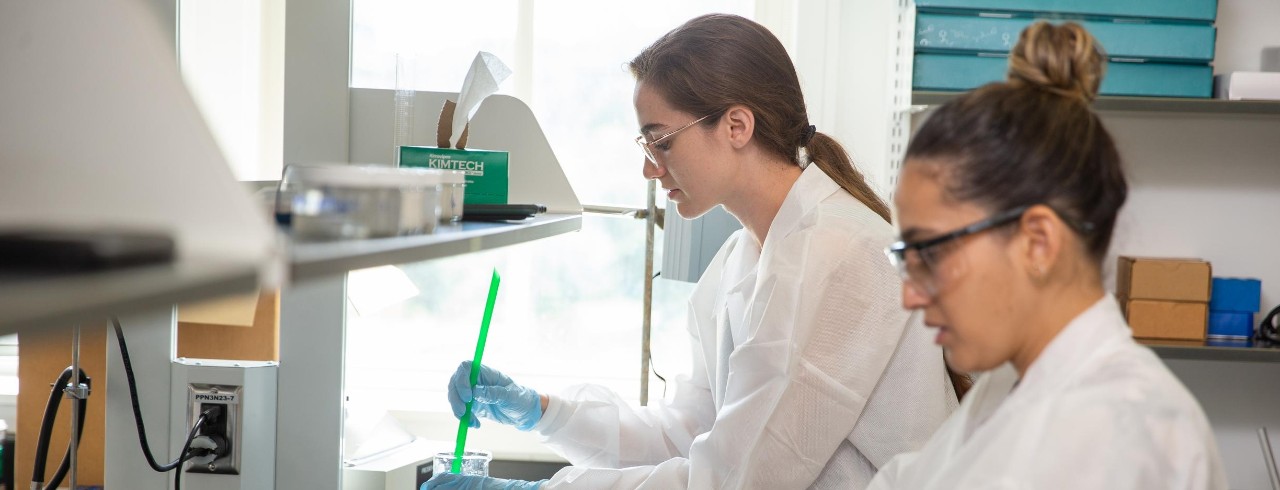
(66, 458)
(186, 453)
(46, 429)
(137, 410)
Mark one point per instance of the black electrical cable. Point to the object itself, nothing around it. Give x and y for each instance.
(46, 430)
(186, 453)
(1268, 330)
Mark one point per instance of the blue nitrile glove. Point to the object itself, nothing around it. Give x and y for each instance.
(454, 481)
(496, 397)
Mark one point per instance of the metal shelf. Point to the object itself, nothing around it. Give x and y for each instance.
(312, 260)
(62, 301)
(1144, 104)
(1201, 352)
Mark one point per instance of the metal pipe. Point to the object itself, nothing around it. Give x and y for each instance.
(650, 220)
(1271, 458)
(72, 391)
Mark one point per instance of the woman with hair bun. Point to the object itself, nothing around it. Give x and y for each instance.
(1006, 205)
(806, 372)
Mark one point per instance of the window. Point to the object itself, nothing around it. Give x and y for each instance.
(569, 309)
(232, 57)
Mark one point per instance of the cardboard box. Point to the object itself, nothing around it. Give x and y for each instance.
(1167, 319)
(1163, 279)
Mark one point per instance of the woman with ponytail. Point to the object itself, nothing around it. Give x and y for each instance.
(1006, 203)
(806, 371)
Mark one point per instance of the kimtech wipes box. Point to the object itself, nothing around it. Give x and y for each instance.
(486, 170)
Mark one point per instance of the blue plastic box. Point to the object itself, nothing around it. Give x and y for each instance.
(1204, 11)
(1183, 43)
(1230, 324)
(949, 72)
(1238, 295)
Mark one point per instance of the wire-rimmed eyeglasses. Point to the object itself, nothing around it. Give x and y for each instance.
(647, 146)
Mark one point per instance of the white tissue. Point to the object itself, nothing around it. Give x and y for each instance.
(487, 72)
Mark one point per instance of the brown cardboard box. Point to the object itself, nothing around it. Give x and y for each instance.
(1163, 279)
(1167, 319)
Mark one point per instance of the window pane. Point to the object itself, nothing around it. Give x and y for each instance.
(443, 36)
(568, 311)
(570, 307)
(582, 88)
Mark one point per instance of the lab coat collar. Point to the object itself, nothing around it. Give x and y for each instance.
(1082, 339)
(810, 189)
(1086, 336)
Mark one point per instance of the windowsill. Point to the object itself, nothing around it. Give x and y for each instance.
(506, 443)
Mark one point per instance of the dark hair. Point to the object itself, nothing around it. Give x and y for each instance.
(718, 60)
(1033, 139)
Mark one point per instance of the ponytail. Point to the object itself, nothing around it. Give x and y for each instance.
(832, 158)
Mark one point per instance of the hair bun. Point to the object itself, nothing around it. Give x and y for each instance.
(1063, 59)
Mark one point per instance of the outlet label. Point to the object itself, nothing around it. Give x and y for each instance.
(229, 395)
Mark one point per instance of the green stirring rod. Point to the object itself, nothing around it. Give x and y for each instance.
(465, 422)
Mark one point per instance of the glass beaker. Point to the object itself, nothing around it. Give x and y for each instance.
(473, 463)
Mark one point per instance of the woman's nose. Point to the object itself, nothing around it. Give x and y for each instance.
(652, 170)
(912, 297)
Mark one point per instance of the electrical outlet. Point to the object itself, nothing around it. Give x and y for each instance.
(222, 430)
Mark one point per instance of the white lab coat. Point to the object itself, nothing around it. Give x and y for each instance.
(806, 370)
(1095, 410)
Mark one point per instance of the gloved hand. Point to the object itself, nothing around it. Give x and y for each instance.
(454, 481)
(495, 396)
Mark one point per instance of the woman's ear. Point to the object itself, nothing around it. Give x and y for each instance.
(1043, 235)
(741, 123)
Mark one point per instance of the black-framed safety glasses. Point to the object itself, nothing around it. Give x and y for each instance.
(916, 261)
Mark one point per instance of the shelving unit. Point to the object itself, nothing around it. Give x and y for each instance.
(1202, 174)
(1203, 352)
(1143, 104)
(64, 301)
(312, 260)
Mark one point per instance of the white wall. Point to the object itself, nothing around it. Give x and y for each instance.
(1208, 186)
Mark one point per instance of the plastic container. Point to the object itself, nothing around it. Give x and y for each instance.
(452, 193)
(354, 202)
(473, 463)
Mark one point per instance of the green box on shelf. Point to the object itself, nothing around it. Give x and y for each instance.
(1148, 41)
(486, 169)
(954, 72)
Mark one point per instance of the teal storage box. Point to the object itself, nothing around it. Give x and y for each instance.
(948, 72)
(1236, 295)
(1204, 11)
(1149, 41)
(486, 170)
(1230, 325)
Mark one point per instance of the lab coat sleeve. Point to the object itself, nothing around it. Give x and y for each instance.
(824, 325)
(822, 329)
(890, 475)
(592, 426)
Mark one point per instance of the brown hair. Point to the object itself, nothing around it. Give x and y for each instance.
(1034, 139)
(718, 60)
